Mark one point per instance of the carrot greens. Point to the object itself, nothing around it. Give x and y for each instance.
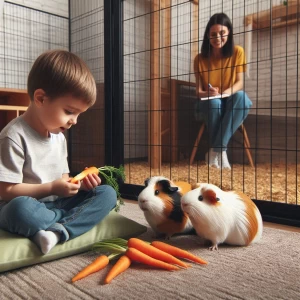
(110, 175)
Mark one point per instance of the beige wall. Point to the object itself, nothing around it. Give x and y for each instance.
(274, 60)
(58, 7)
(26, 33)
(272, 82)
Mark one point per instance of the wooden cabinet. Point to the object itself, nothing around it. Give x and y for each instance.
(176, 119)
(87, 138)
(278, 16)
(169, 151)
(13, 102)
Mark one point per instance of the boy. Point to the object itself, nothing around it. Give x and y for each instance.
(38, 200)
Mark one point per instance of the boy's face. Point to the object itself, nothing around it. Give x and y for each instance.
(61, 113)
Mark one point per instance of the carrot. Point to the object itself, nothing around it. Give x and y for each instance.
(98, 264)
(178, 252)
(141, 257)
(154, 252)
(120, 266)
(84, 173)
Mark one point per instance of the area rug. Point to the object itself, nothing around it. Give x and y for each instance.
(269, 269)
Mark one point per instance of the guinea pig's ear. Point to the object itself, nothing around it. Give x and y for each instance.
(195, 185)
(147, 182)
(167, 188)
(211, 196)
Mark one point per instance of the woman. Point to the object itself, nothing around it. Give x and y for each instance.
(219, 69)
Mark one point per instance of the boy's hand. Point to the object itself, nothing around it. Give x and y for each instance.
(90, 182)
(64, 188)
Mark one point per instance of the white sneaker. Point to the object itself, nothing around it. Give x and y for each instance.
(223, 160)
(212, 159)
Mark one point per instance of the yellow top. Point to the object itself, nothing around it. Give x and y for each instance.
(222, 72)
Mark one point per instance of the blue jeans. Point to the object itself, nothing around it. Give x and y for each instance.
(70, 216)
(223, 117)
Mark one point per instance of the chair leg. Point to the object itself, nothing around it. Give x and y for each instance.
(201, 130)
(247, 144)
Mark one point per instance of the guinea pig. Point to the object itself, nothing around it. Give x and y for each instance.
(160, 202)
(222, 217)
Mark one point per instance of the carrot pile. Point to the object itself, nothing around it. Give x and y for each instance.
(156, 254)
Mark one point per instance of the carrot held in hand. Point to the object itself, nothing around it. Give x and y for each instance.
(178, 252)
(154, 252)
(109, 175)
(98, 264)
(120, 266)
(84, 173)
(141, 257)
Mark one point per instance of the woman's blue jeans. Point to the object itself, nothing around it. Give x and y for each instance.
(223, 117)
(70, 216)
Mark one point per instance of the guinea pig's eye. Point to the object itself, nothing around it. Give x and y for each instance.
(200, 198)
(156, 192)
(218, 199)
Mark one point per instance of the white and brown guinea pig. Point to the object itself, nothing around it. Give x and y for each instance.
(223, 217)
(160, 201)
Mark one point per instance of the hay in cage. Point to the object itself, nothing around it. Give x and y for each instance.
(276, 182)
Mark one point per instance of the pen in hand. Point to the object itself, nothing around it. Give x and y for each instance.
(210, 86)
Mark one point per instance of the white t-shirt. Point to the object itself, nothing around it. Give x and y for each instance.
(27, 157)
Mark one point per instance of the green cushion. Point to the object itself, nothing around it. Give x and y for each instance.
(17, 251)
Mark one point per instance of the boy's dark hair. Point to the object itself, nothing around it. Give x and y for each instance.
(59, 73)
(227, 49)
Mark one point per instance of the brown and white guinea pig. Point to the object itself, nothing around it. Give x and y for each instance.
(160, 201)
(223, 217)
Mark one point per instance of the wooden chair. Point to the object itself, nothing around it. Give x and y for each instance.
(241, 129)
